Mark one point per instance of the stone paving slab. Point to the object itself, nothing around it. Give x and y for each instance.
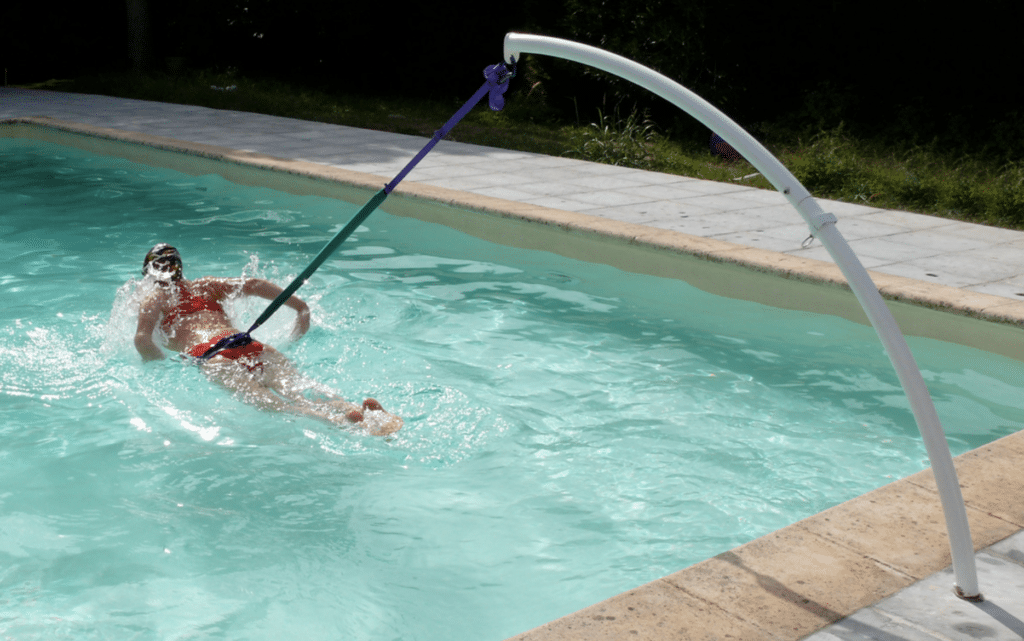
(929, 611)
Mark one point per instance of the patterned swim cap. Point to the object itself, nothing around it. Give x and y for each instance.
(162, 254)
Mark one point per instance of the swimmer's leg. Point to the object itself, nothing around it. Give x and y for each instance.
(277, 385)
(250, 387)
(287, 381)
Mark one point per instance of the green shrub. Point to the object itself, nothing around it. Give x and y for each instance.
(616, 141)
(1008, 201)
(916, 191)
(962, 194)
(829, 166)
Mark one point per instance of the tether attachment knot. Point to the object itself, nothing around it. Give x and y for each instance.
(240, 339)
(497, 78)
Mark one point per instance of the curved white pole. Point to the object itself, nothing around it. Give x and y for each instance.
(824, 229)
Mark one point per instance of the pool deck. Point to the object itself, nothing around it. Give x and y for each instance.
(871, 568)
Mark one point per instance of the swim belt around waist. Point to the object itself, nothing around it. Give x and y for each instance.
(232, 353)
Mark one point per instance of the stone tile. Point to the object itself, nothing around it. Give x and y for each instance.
(664, 191)
(1012, 288)
(939, 239)
(889, 250)
(427, 172)
(871, 624)
(994, 465)
(1004, 254)
(654, 177)
(722, 202)
(747, 220)
(930, 604)
(933, 270)
(847, 210)
(609, 198)
(567, 204)
(610, 183)
(470, 183)
(1011, 548)
(657, 611)
(783, 213)
(655, 212)
(595, 168)
(559, 174)
(509, 167)
(706, 225)
(504, 192)
(762, 240)
(539, 161)
(900, 525)
(709, 187)
(792, 582)
(969, 268)
(762, 196)
(796, 229)
(818, 251)
(907, 219)
(547, 188)
(858, 227)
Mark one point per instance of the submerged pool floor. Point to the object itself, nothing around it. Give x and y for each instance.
(552, 407)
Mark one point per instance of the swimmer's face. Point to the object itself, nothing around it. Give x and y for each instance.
(163, 263)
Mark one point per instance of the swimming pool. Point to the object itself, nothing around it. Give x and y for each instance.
(572, 430)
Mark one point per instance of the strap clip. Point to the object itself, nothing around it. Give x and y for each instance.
(817, 223)
(823, 219)
(498, 77)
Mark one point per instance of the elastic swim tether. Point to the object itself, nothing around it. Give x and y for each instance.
(496, 84)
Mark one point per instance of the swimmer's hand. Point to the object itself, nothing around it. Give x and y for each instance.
(270, 291)
(149, 314)
(148, 350)
(301, 322)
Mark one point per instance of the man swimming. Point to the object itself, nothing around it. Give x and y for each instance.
(192, 317)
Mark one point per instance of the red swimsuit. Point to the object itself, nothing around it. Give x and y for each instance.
(189, 304)
(233, 353)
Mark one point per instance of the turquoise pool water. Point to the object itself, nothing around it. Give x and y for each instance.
(572, 430)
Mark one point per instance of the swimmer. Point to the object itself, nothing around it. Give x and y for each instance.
(191, 315)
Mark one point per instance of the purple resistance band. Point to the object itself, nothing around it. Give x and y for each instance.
(496, 85)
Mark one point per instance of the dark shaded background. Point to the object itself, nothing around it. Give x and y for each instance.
(898, 70)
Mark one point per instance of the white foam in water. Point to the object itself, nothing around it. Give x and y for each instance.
(571, 431)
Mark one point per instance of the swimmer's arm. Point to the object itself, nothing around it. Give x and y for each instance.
(268, 290)
(149, 314)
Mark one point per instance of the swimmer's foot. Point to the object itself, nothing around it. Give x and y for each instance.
(372, 417)
(377, 421)
(350, 412)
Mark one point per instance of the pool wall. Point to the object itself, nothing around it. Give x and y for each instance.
(784, 585)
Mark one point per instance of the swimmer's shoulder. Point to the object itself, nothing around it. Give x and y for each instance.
(216, 287)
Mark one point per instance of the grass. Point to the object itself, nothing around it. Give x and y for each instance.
(832, 164)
